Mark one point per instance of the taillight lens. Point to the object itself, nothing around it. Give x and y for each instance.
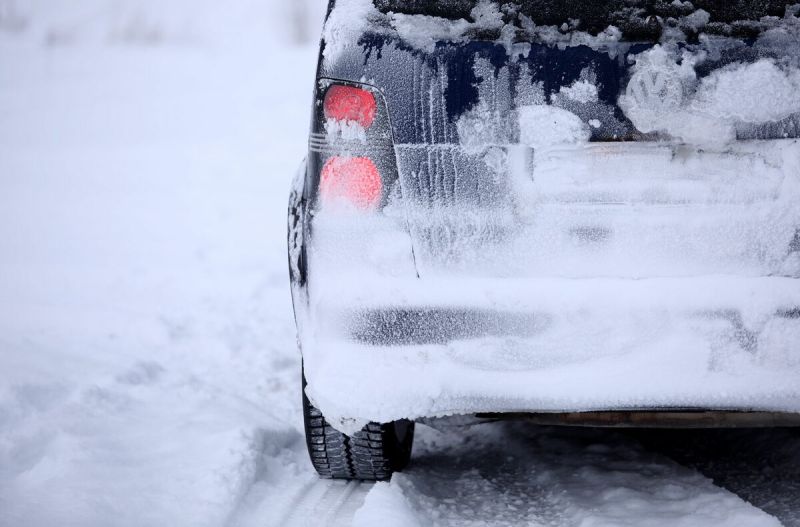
(353, 180)
(345, 103)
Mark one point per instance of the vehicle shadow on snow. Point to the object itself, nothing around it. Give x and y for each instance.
(500, 473)
(762, 466)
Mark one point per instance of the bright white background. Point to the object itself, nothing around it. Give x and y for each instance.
(147, 348)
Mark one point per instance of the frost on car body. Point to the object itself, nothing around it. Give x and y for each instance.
(578, 211)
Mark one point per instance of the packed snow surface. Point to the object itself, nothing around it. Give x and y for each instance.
(598, 484)
(149, 374)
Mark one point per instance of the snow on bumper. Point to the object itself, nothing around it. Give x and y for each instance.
(512, 313)
(391, 349)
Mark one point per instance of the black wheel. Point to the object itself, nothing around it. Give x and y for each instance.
(373, 453)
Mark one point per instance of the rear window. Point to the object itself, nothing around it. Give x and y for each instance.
(636, 19)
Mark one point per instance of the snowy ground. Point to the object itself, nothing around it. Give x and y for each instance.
(148, 372)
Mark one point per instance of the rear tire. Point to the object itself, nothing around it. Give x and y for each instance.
(373, 453)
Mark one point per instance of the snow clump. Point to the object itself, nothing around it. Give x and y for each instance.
(542, 126)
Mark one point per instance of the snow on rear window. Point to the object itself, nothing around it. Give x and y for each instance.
(638, 19)
(424, 23)
(723, 103)
(688, 85)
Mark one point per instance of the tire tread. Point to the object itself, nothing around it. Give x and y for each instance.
(367, 455)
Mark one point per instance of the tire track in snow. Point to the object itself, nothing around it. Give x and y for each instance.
(325, 503)
(460, 476)
(316, 502)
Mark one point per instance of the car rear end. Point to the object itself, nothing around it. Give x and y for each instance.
(552, 208)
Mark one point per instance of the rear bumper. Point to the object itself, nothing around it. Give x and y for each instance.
(389, 349)
(542, 294)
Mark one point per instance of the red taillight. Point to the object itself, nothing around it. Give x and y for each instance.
(353, 180)
(345, 103)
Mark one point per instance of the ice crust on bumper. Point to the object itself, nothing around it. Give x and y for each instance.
(600, 277)
(592, 344)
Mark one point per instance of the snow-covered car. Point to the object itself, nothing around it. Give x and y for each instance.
(583, 213)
